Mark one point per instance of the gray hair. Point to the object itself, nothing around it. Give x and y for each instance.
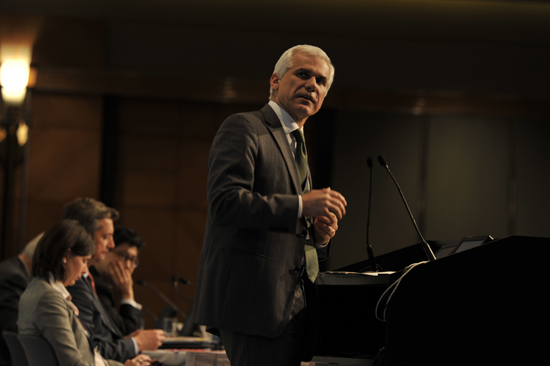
(89, 212)
(287, 58)
(31, 246)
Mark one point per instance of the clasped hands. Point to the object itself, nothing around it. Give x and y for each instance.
(327, 206)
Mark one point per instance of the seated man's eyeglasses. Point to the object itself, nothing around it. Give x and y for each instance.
(134, 261)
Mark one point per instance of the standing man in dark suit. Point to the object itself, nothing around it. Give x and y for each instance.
(15, 274)
(97, 219)
(266, 226)
(114, 274)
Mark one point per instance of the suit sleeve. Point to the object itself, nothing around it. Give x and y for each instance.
(110, 346)
(131, 317)
(128, 319)
(119, 350)
(11, 289)
(54, 325)
(242, 151)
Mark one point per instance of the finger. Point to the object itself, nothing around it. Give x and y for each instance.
(325, 229)
(341, 209)
(115, 269)
(339, 212)
(331, 219)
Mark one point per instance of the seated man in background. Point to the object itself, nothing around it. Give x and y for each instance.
(15, 274)
(98, 220)
(114, 273)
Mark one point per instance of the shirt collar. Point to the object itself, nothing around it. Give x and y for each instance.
(287, 121)
(58, 285)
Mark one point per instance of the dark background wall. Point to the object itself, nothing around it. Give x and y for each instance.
(129, 95)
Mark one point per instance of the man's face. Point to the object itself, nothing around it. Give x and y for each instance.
(302, 89)
(103, 238)
(123, 253)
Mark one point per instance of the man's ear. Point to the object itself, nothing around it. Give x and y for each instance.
(274, 82)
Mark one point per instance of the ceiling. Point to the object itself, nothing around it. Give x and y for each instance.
(490, 37)
(506, 21)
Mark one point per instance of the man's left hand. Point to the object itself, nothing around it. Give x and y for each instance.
(325, 228)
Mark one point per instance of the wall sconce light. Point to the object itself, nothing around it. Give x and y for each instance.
(14, 128)
(14, 73)
(14, 76)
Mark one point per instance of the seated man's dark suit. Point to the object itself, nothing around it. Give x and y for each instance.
(94, 318)
(128, 319)
(13, 282)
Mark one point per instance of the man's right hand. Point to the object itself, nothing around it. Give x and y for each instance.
(121, 278)
(321, 202)
(150, 339)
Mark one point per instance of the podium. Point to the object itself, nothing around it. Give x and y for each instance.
(483, 306)
(348, 328)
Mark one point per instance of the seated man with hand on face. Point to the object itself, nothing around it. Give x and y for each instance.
(113, 278)
(98, 220)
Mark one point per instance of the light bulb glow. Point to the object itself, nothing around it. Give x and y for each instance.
(14, 76)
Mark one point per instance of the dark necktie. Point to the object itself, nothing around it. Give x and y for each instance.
(312, 262)
(301, 156)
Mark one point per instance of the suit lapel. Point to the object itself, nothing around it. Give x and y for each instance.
(278, 133)
(103, 315)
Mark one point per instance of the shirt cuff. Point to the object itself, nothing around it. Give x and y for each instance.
(135, 346)
(132, 303)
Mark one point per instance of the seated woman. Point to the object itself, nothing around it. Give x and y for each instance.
(45, 308)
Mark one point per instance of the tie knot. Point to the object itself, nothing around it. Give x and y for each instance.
(299, 135)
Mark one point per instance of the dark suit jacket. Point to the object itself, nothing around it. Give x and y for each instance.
(128, 319)
(44, 312)
(13, 281)
(254, 242)
(95, 319)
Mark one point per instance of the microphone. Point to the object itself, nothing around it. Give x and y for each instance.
(162, 296)
(370, 253)
(175, 282)
(185, 281)
(148, 311)
(425, 245)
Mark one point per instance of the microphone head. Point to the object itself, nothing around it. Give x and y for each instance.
(185, 281)
(141, 282)
(369, 162)
(381, 160)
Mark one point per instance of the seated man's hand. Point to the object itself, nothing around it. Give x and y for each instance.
(150, 339)
(121, 278)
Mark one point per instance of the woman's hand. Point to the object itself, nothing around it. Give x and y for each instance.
(139, 360)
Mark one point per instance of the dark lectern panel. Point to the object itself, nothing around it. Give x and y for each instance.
(348, 327)
(483, 306)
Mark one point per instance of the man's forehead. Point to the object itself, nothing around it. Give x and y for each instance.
(125, 247)
(311, 63)
(105, 224)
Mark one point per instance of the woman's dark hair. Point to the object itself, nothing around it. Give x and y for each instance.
(57, 241)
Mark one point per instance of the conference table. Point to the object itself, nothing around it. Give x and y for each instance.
(212, 357)
(219, 358)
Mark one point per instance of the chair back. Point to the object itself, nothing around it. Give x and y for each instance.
(17, 352)
(38, 350)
